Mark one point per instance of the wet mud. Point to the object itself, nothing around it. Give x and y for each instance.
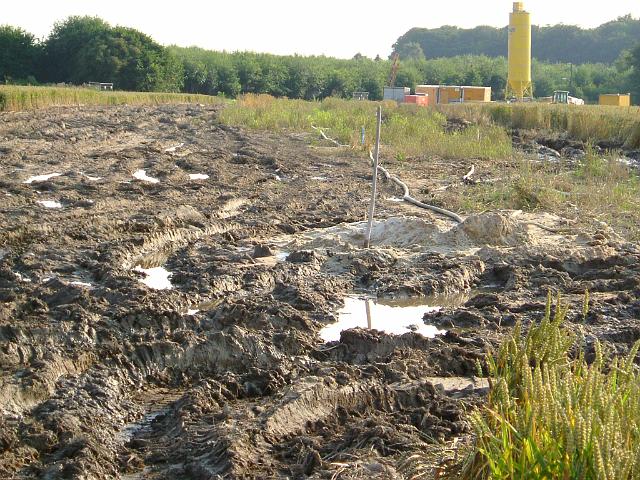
(223, 372)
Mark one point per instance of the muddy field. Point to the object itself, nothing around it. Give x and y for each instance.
(168, 301)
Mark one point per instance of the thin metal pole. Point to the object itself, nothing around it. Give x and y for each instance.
(368, 310)
(374, 181)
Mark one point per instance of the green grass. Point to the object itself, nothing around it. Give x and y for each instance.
(597, 188)
(16, 98)
(553, 415)
(590, 123)
(408, 130)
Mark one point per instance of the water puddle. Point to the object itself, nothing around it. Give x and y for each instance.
(156, 278)
(90, 178)
(41, 178)
(49, 203)
(174, 148)
(142, 175)
(393, 316)
(320, 179)
(198, 176)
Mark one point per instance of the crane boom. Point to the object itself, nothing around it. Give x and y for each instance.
(395, 65)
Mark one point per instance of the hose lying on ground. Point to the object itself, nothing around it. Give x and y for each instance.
(406, 197)
(409, 199)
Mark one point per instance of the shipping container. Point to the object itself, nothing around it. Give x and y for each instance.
(449, 94)
(395, 93)
(422, 100)
(431, 90)
(476, 94)
(615, 99)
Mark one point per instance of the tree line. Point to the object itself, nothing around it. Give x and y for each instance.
(85, 49)
(558, 43)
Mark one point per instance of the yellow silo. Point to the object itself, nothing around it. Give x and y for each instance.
(519, 79)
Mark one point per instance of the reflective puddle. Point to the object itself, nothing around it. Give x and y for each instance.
(393, 316)
(155, 277)
(142, 175)
(49, 203)
(198, 176)
(41, 178)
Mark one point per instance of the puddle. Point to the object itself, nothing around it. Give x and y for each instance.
(142, 426)
(49, 203)
(393, 316)
(91, 178)
(198, 176)
(155, 277)
(81, 284)
(320, 179)
(142, 175)
(174, 148)
(41, 178)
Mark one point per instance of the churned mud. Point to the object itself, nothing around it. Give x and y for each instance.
(165, 281)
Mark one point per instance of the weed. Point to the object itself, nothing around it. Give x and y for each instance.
(551, 414)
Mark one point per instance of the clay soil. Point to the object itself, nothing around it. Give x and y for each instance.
(225, 375)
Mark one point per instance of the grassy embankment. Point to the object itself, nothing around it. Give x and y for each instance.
(16, 98)
(597, 187)
(552, 414)
(588, 123)
(408, 130)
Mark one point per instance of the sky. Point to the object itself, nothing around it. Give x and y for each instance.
(338, 28)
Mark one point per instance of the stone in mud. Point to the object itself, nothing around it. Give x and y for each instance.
(261, 250)
(301, 256)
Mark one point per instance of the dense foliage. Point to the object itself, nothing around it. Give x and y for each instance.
(558, 43)
(84, 49)
(18, 54)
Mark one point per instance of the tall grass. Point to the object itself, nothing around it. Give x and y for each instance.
(16, 98)
(553, 415)
(590, 123)
(408, 130)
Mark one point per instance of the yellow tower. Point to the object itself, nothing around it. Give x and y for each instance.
(519, 79)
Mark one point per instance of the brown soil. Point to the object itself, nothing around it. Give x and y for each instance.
(104, 377)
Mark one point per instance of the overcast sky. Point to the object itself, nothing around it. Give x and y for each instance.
(339, 28)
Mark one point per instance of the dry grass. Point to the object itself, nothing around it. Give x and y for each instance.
(590, 123)
(16, 98)
(408, 130)
(595, 189)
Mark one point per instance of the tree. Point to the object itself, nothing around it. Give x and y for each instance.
(18, 54)
(85, 49)
(63, 50)
(411, 51)
(635, 73)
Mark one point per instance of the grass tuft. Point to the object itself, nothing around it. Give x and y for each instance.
(551, 414)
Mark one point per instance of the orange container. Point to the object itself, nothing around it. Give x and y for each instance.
(422, 100)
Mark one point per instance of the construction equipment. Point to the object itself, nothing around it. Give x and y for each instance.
(563, 97)
(395, 65)
(519, 84)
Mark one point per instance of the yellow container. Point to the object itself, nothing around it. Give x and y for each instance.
(431, 90)
(615, 99)
(519, 78)
(476, 94)
(449, 94)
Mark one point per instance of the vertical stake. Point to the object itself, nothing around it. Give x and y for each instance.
(368, 310)
(374, 180)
